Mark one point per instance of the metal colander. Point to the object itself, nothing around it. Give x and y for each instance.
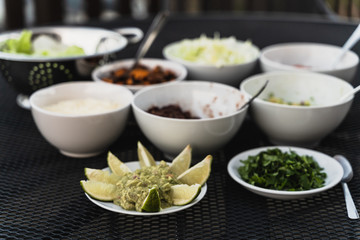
(27, 74)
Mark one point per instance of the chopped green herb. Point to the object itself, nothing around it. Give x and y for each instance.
(274, 169)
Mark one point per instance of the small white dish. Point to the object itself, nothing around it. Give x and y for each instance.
(332, 168)
(115, 208)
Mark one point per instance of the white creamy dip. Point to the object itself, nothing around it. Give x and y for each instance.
(82, 106)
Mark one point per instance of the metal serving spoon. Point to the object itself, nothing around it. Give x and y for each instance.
(348, 174)
(255, 96)
(150, 36)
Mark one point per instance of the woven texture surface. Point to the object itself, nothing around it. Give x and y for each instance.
(41, 197)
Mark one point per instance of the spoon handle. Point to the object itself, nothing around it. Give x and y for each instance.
(255, 96)
(346, 96)
(150, 36)
(350, 206)
(354, 38)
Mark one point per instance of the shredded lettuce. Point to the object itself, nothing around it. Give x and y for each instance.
(21, 45)
(214, 51)
(66, 52)
(44, 46)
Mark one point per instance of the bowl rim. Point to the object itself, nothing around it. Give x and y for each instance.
(280, 46)
(188, 83)
(285, 106)
(159, 61)
(34, 106)
(28, 58)
(203, 65)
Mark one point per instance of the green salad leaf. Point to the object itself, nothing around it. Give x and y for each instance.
(277, 170)
(20, 45)
(51, 48)
(69, 51)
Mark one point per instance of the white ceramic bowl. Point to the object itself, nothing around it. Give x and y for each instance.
(314, 57)
(332, 168)
(215, 104)
(81, 135)
(298, 125)
(227, 74)
(151, 63)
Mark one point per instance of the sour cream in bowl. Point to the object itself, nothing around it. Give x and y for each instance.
(81, 119)
(223, 60)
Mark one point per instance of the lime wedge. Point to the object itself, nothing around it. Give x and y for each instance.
(182, 162)
(145, 157)
(99, 190)
(101, 176)
(152, 201)
(183, 194)
(198, 173)
(116, 166)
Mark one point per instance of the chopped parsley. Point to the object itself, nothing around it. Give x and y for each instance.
(277, 170)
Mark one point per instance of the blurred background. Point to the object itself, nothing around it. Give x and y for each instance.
(16, 14)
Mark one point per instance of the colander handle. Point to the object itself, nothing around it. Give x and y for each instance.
(135, 33)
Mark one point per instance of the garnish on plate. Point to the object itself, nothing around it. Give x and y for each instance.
(277, 170)
(152, 187)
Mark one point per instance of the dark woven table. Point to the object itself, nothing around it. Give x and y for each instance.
(41, 197)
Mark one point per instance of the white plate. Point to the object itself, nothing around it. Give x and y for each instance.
(115, 208)
(332, 168)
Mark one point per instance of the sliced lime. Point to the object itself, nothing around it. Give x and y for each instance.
(101, 176)
(198, 173)
(145, 157)
(116, 166)
(183, 194)
(152, 201)
(182, 162)
(99, 190)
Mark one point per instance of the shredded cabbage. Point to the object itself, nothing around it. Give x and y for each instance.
(214, 51)
(42, 46)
